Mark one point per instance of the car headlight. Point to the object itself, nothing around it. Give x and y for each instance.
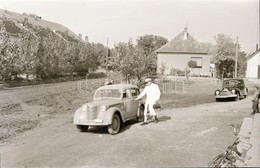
(102, 108)
(233, 91)
(217, 92)
(84, 108)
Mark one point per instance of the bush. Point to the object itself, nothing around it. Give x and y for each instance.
(96, 75)
(11, 27)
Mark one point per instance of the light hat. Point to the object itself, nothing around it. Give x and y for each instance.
(148, 80)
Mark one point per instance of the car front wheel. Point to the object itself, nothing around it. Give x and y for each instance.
(115, 126)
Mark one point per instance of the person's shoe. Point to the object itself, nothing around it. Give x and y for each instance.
(156, 119)
(144, 123)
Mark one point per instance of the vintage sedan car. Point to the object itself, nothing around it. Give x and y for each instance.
(112, 106)
(232, 89)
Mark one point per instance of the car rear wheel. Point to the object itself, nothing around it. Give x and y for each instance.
(82, 128)
(115, 126)
(140, 118)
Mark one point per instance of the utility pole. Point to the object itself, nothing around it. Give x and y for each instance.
(107, 56)
(236, 59)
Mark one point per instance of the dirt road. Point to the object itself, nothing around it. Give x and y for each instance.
(183, 137)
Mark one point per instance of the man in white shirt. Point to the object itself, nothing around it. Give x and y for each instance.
(153, 94)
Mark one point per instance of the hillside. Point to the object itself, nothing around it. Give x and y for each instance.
(19, 19)
(45, 50)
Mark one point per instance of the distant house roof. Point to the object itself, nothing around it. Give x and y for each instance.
(184, 43)
(252, 55)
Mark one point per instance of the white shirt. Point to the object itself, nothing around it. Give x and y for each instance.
(152, 93)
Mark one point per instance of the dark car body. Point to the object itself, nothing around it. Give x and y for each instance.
(232, 89)
(112, 105)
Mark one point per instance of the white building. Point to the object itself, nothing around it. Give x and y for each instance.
(179, 51)
(253, 67)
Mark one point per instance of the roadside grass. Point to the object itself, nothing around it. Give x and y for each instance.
(24, 109)
(195, 92)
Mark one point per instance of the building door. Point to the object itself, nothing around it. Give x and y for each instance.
(258, 74)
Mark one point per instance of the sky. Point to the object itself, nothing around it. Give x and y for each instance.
(120, 20)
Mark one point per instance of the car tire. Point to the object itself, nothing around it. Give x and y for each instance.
(140, 118)
(237, 97)
(115, 126)
(82, 128)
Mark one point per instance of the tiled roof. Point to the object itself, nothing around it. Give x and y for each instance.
(183, 43)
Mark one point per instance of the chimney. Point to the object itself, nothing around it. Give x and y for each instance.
(86, 39)
(185, 37)
(256, 47)
(80, 36)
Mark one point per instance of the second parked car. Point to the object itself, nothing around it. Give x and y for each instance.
(232, 89)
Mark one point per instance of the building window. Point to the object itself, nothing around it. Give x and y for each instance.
(198, 60)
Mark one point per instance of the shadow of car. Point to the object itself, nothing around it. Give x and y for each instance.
(232, 89)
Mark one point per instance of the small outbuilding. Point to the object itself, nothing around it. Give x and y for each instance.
(253, 66)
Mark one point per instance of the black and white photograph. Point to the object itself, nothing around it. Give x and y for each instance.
(129, 83)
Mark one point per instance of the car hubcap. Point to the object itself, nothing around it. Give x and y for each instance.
(115, 124)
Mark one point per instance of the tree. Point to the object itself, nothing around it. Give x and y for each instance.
(45, 53)
(192, 64)
(136, 60)
(225, 67)
(224, 56)
(225, 46)
(9, 57)
(130, 60)
(151, 43)
(28, 49)
(242, 64)
(162, 68)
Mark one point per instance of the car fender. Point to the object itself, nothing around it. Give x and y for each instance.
(76, 117)
(110, 113)
(237, 91)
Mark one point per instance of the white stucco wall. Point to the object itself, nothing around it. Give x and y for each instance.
(180, 61)
(252, 66)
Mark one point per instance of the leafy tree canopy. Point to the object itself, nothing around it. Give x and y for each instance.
(225, 55)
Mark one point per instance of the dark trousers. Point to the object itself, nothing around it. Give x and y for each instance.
(255, 106)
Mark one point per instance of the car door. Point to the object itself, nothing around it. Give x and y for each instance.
(129, 104)
(135, 92)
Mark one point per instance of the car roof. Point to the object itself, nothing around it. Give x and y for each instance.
(118, 86)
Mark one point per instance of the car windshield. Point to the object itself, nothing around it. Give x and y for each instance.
(233, 82)
(107, 93)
